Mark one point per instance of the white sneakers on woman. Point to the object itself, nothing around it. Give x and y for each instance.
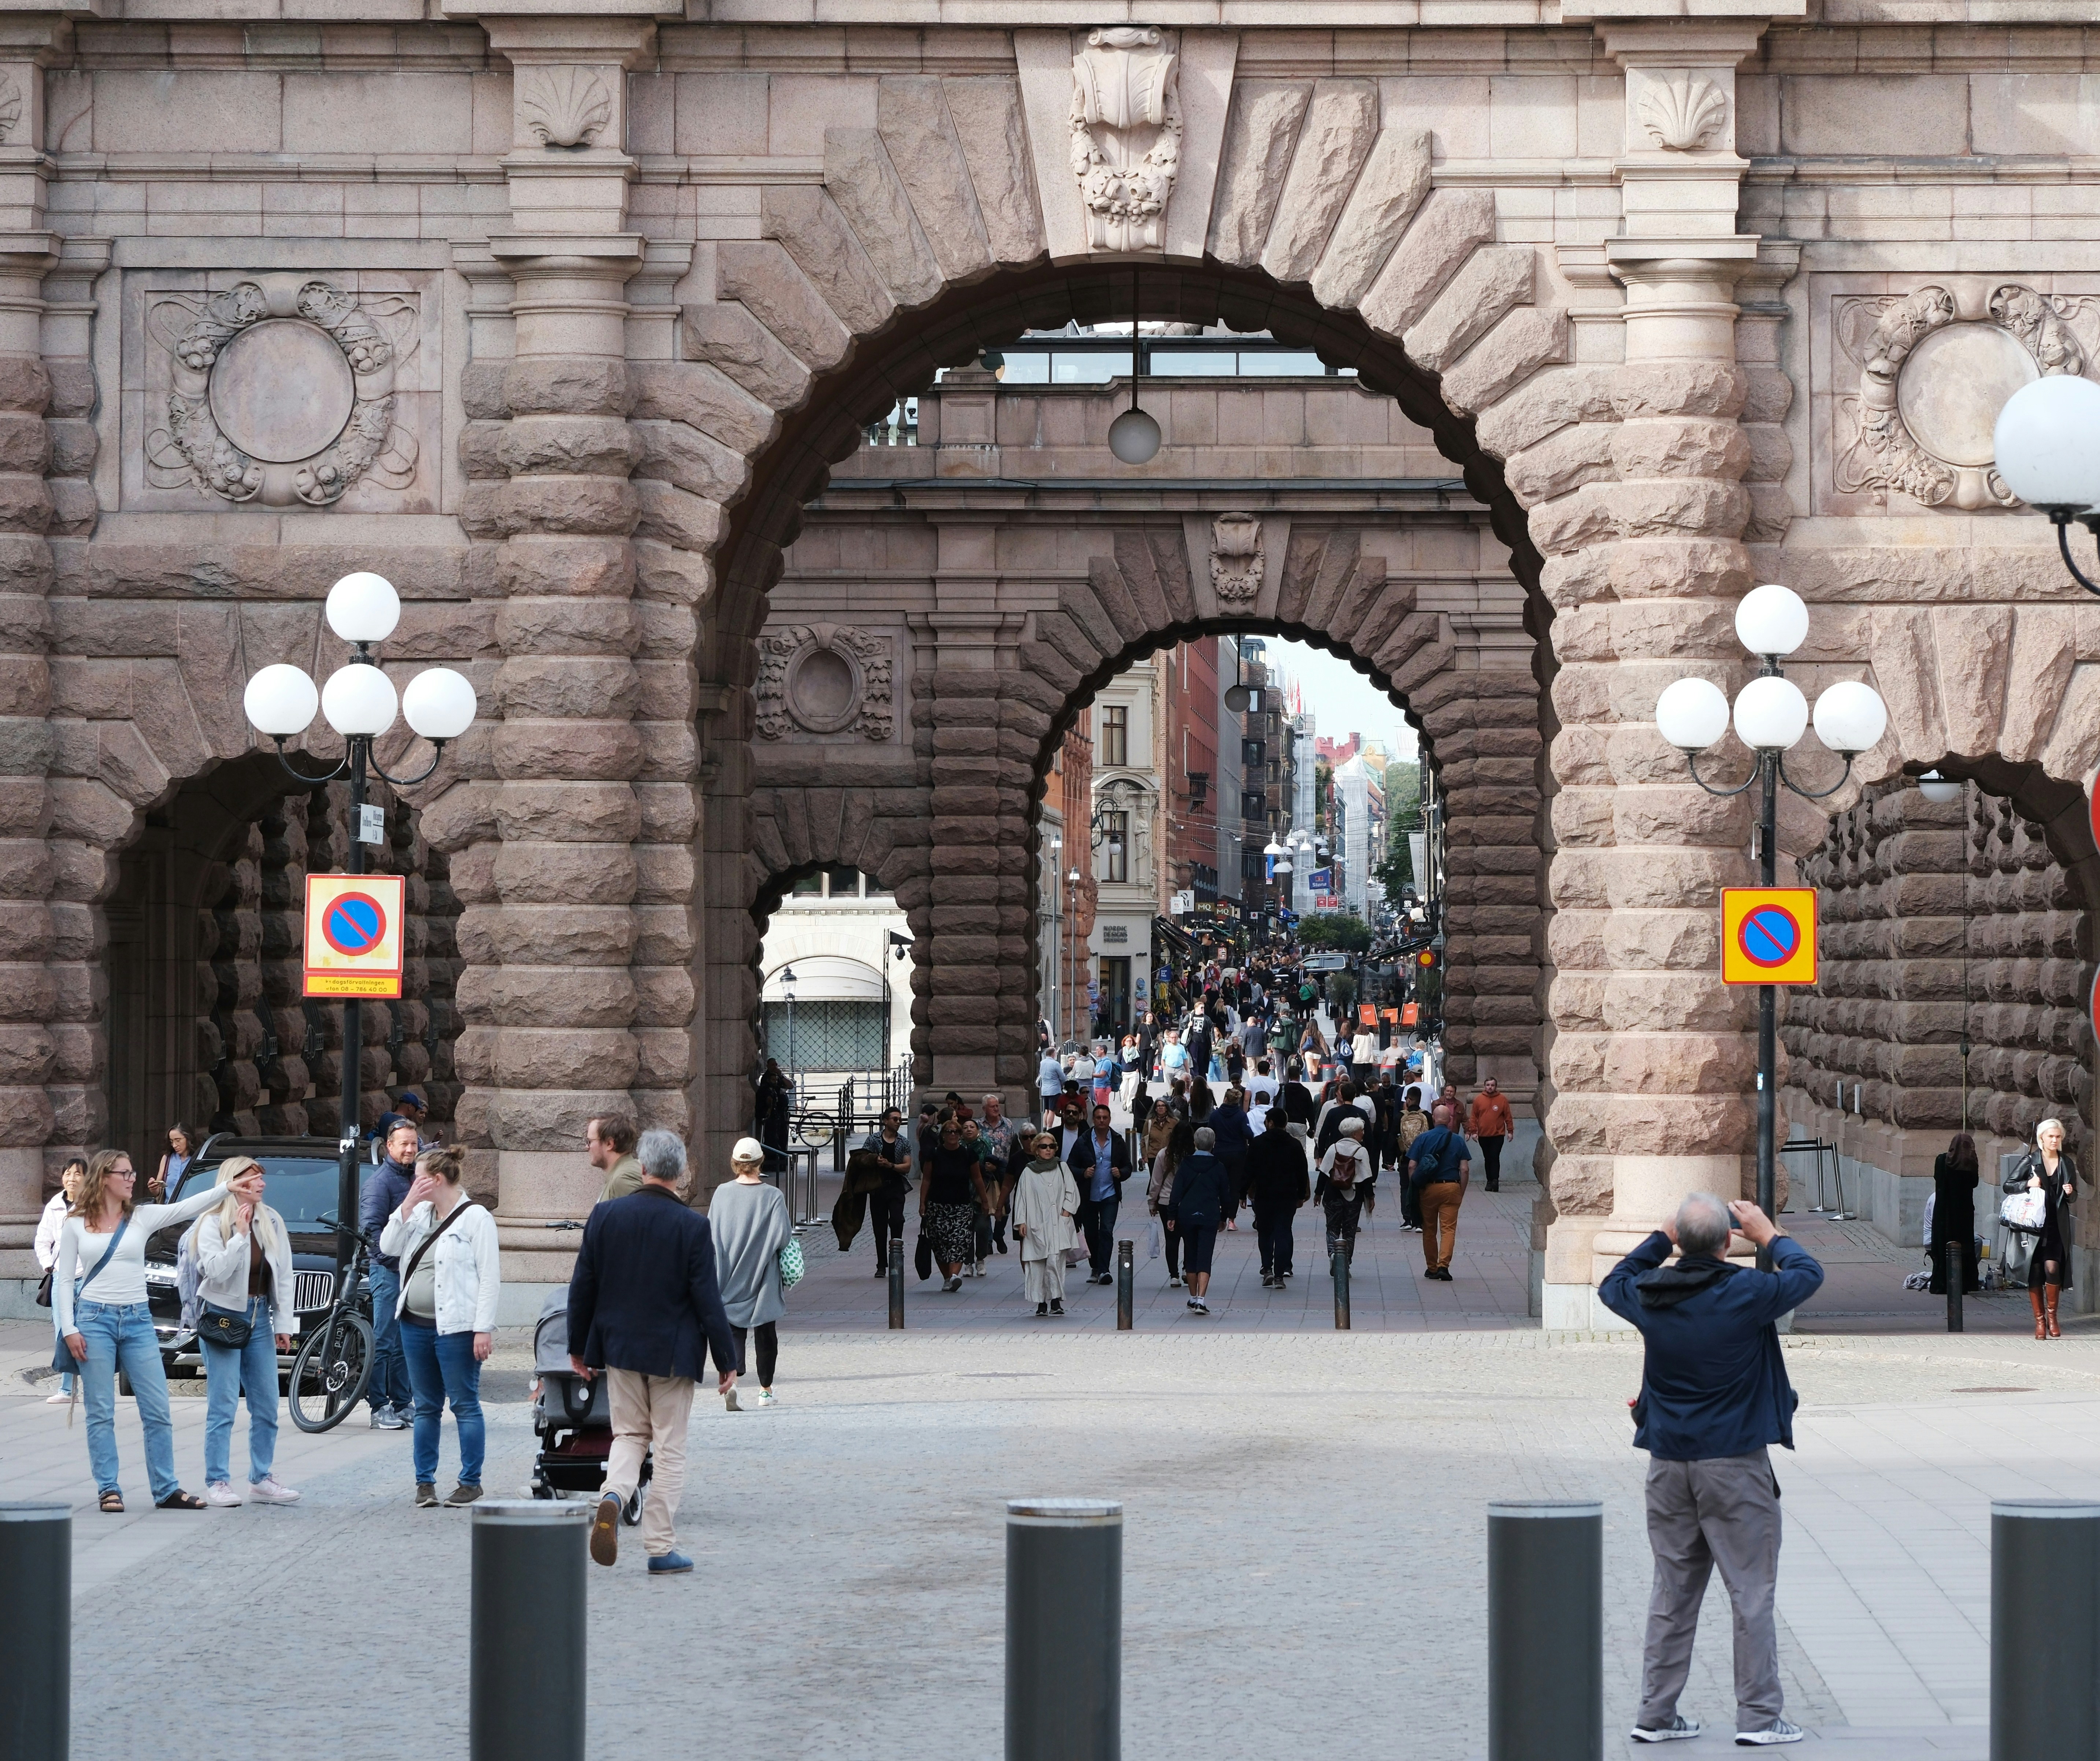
(221, 1496)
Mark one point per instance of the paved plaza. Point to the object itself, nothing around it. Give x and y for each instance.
(1305, 1549)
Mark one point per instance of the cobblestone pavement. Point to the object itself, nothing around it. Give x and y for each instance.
(1304, 1554)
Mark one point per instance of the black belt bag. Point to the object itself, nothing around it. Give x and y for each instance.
(223, 1326)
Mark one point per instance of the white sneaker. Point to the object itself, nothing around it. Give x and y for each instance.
(767, 1397)
(979, 1269)
(1779, 1731)
(221, 1496)
(728, 1401)
(1679, 1729)
(58, 1400)
(268, 1491)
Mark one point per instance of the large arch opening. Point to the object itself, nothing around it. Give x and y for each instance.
(1156, 594)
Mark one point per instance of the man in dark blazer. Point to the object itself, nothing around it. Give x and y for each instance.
(1100, 1162)
(644, 1308)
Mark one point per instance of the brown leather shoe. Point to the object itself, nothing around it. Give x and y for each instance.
(2050, 1293)
(2041, 1326)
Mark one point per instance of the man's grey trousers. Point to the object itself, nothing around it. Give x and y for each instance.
(1721, 1511)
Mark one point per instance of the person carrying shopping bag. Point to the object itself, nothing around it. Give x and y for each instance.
(245, 1290)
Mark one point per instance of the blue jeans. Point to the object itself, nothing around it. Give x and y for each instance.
(389, 1385)
(252, 1370)
(122, 1333)
(442, 1367)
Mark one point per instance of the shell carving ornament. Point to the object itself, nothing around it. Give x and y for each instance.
(567, 107)
(823, 678)
(281, 391)
(1125, 135)
(1936, 364)
(1682, 114)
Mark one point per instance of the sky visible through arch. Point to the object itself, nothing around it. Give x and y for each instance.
(1341, 699)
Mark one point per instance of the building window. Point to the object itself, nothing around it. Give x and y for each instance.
(1253, 754)
(841, 1034)
(1115, 846)
(809, 886)
(841, 882)
(1116, 734)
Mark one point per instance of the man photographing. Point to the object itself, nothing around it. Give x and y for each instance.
(1714, 1396)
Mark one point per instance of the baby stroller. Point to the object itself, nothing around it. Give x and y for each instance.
(571, 1417)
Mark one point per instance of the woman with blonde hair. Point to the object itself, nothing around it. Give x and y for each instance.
(244, 1259)
(2054, 1167)
(98, 1307)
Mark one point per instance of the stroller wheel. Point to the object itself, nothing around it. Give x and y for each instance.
(540, 1490)
(631, 1512)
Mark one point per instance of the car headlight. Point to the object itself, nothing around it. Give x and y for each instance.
(160, 1274)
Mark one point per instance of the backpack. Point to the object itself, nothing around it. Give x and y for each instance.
(187, 1280)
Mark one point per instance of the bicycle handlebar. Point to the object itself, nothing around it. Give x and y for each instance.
(342, 1229)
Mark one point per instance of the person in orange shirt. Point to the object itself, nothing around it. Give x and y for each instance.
(1488, 1121)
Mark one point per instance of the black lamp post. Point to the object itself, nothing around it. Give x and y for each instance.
(358, 703)
(1771, 715)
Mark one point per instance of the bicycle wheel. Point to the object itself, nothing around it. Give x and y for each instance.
(329, 1373)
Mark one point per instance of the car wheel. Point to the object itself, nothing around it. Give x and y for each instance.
(123, 1383)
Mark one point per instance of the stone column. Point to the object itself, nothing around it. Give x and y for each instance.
(1653, 1058)
(556, 1018)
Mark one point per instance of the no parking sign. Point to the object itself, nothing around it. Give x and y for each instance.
(1768, 935)
(354, 935)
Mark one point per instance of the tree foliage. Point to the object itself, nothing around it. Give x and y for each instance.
(1344, 931)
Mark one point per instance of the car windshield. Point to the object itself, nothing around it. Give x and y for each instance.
(299, 1188)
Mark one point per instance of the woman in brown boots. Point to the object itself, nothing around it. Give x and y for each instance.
(2049, 1270)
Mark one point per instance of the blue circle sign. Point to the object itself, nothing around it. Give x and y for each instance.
(354, 924)
(1770, 936)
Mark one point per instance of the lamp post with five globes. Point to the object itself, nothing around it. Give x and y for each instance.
(1771, 715)
(358, 703)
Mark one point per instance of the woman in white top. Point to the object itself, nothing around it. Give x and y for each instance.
(446, 1244)
(244, 1261)
(48, 1226)
(105, 1322)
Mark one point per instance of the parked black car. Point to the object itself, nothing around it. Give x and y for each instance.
(300, 1177)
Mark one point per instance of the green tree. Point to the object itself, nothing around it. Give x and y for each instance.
(1395, 871)
(1344, 931)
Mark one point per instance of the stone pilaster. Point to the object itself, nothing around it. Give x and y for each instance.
(1653, 1059)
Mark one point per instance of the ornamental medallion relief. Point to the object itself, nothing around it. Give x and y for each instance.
(1125, 135)
(281, 390)
(1921, 374)
(823, 679)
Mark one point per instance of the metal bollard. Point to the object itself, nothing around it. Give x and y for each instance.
(36, 1630)
(1064, 1630)
(897, 1284)
(1545, 1631)
(2044, 1627)
(526, 1692)
(1126, 1285)
(1957, 1269)
(1339, 1266)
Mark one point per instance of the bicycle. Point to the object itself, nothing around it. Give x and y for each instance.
(334, 1361)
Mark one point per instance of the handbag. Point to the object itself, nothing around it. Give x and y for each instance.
(62, 1357)
(2027, 1209)
(922, 1257)
(223, 1326)
(790, 1264)
(44, 1289)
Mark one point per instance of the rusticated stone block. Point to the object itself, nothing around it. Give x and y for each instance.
(578, 384)
(581, 751)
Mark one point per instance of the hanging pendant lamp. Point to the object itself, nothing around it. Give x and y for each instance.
(1134, 436)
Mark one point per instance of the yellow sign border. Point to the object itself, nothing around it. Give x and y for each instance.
(363, 977)
(1736, 967)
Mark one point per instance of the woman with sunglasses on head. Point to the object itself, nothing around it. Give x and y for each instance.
(98, 1306)
(244, 1284)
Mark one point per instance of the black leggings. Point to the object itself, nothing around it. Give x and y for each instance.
(769, 1350)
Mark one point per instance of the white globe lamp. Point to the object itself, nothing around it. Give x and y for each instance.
(1938, 789)
(439, 704)
(1850, 717)
(2046, 443)
(280, 701)
(1134, 437)
(1691, 714)
(359, 698)
(1772, 620)
(1770, 714)
(363, 607)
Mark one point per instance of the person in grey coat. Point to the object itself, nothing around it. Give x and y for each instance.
(750, 1224)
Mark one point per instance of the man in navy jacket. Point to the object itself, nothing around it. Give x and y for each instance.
(645, 1307)
(1714, 1396)
(1099, 1163)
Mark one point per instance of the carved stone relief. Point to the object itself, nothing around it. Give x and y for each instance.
(1237, 562)
(823, 678)
(281, 390)
(1682, 113)
(1935, 365)
(565, 107)
(1125, 135)
(10, 108)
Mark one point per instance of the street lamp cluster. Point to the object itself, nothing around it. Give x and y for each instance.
(359, 702)
(1771, 715)
(2046, 446)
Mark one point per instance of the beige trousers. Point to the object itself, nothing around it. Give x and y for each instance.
(650, 1416)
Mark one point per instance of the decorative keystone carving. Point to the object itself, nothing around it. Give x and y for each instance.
(823, 678)
(1125, 135)
(1237, 562)
(281, 391)
(566, 107)
(1933, 376)
(1682, 114)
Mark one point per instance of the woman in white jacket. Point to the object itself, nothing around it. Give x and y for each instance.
(48, 1227)
(446, 1244)
(243, 1254)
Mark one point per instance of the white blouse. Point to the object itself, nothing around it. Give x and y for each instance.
(123, 1280)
